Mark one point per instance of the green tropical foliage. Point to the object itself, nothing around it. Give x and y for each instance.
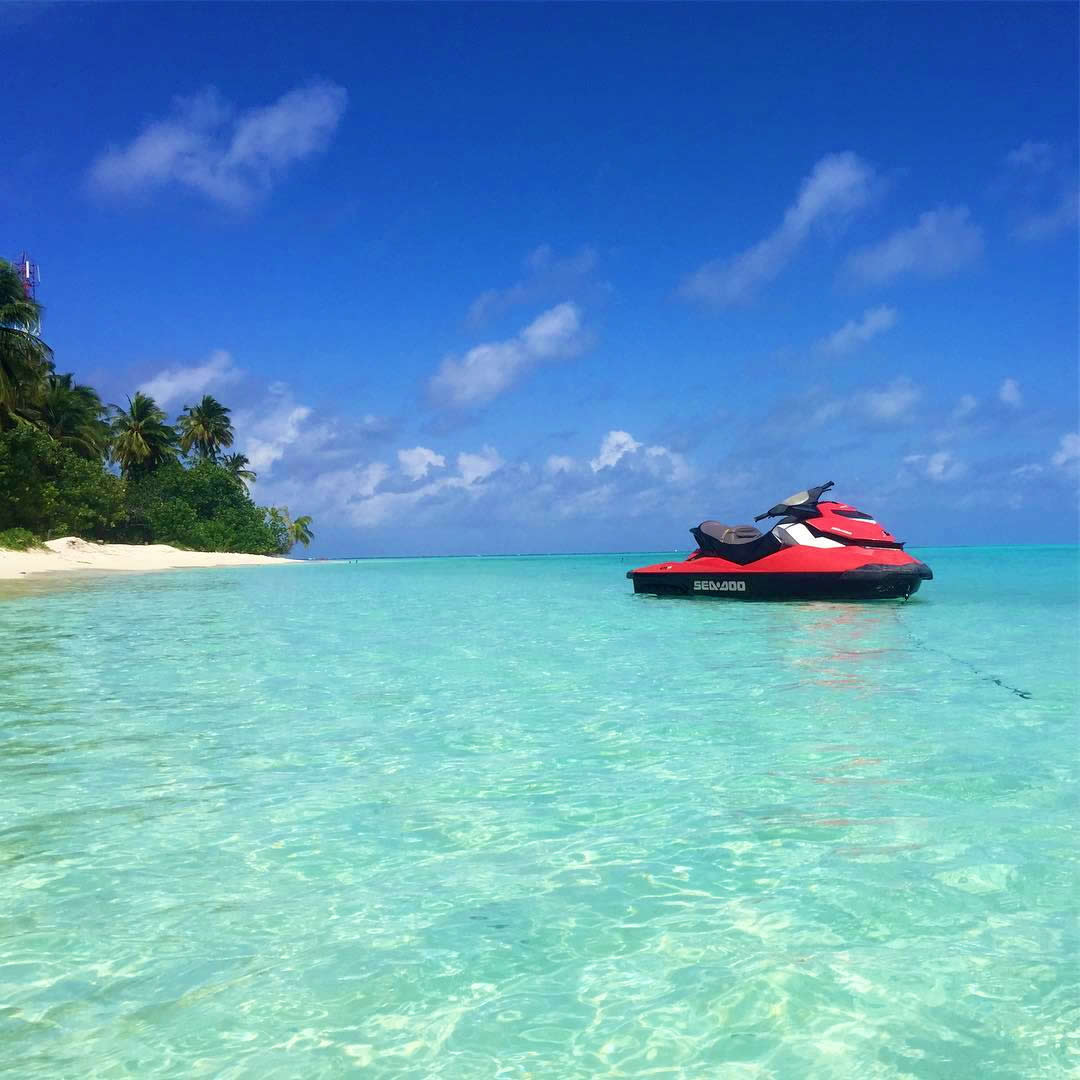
(25, 360)
(237, 465)
(57, 442)
(301, 530)
(52, 491)
(18, 539)
(295, 532)
(73, 415)
(205, 428)
(141, 440)
(201, 507)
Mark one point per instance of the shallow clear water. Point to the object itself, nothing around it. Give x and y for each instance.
(478, 818)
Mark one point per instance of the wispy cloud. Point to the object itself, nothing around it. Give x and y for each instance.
(616, 445)
(229, 157)
(480, 466)
(1041, 226)
(887, 404)
(838, 185)
(416, 462)
(381, 498)
(1038, 179)
(893, 402)
(967, 404)
(941, 242)
(184, 384)
(264, 437)
(620, 446)
(559, 463)
(941, 466)
(858, 332)
(547, 276)
(1009, 394)
(486, 371)
(1068, 450)
(1037, 156)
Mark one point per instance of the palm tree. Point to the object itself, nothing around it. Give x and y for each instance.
(300, 530)
(141, 440)
(72, 414)
(25, 359)
(205, 427)
(237, 464)
(296, 532)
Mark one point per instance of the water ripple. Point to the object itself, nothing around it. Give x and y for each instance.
(500, 818)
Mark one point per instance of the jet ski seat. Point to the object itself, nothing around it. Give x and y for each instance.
(740, 544)
(728, 534)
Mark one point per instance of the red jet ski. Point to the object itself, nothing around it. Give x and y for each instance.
(817, 551)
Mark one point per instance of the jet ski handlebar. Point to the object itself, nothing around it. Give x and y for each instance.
(799, 502)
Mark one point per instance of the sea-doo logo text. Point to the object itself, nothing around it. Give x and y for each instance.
(720, 586)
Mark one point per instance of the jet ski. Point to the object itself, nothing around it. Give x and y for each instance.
(816, 551)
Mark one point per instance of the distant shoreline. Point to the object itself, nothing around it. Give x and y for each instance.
(70, 554)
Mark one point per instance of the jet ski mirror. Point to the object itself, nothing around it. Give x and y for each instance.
(801, 501)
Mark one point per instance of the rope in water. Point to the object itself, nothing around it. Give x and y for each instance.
(920, 644)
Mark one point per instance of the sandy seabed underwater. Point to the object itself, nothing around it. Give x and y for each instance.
(501, 818)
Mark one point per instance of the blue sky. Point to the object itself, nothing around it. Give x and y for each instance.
(568, 278)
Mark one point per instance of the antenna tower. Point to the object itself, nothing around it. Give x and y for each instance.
(29, 275)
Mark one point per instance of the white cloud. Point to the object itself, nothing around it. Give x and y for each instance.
(228, 157)
(482, 374)
(485, 371)
(186, 384)
(1023, 472)
(858, 332)
(476, 467)
(357, 481)
(416, 462)
(657, 461)
(616, 445)
(558, 463)
(555, 333)
(886, 404)
(891, 403)
(965, 406)
(548, 275)
(1031, 155)
(942, 242)
(370, 424)
(366, 507)
(838, 185)
(1068, 449)
(941, 467)
(1010, 395)
(265, 434)
(376, 509)
(667, 464)
(1063, 216)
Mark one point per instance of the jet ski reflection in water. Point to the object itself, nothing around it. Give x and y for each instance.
(816, 551)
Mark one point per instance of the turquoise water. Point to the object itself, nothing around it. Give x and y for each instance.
(501, 818)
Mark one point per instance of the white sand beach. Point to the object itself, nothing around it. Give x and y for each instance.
(69, 553)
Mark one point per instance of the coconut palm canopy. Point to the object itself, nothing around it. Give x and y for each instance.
(205, 428)
(237, 464)
(73, 415)
(301, 530)
(141, 439)
(25, 360)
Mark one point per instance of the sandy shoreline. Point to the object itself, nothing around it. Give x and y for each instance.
(69, 553)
